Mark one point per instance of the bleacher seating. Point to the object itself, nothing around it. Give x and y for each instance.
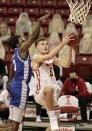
(1, 18)
(32, 11)
(8, 58)
(35, 9)
(11, 20)
(66, 71)
(33, 3)
(10, 10)
(32, 18)
(84, 65)
(43, 11)
(14, 11)
(3, 11)
(12, 28)
(49, 3)
(46, 22)
(45, 29)
(64, 12)
(16, 3)
(62, 3)
(5, 3)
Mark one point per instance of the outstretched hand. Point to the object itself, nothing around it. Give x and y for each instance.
(44, 17)
(67, 38)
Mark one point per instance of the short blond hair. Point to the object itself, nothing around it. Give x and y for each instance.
(40, 39)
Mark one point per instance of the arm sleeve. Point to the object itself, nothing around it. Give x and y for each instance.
(82, 88)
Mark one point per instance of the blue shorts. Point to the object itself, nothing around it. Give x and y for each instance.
(19, 92)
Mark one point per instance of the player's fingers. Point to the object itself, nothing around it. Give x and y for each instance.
(70, 35)
(67, 34)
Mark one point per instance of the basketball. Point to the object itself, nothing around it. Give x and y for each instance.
(75, 40)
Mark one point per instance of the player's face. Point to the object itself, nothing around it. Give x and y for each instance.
(42, 47)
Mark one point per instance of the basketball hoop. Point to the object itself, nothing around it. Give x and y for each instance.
(79, 10)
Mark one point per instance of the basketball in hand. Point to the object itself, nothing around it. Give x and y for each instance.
(75, 40)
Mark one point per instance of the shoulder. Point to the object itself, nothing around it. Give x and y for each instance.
(80, 79)
(68, 80)
(36, 57)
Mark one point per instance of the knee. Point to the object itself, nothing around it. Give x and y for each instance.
(48, 90)
(5, 78)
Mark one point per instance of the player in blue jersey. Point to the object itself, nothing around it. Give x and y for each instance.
(20, 74)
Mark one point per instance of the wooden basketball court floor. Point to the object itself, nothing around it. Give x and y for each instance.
(31, 125)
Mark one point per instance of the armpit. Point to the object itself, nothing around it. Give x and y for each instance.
(34, 65)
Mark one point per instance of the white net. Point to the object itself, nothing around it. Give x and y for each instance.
(79, 10)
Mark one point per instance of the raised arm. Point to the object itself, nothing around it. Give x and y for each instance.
(66, 62)
(34, 35)
(41, 58)
(54, 52)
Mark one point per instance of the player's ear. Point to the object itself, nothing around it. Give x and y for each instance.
(37, 45)
(17, 45)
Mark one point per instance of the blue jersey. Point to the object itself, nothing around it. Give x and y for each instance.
(18, 88)
(22, 68)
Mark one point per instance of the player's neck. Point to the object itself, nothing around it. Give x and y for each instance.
(40, 53)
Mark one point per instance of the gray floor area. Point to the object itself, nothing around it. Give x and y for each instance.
(29, 123)
(34, 126)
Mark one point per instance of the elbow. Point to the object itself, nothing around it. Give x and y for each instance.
(50, 56)
(67, 65)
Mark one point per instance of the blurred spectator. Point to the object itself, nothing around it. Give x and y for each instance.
(64, 52)
(41, 34)
(85, 45)
(3, 76)
(56, 24)
(76, 86)
(56, 27)
(70, 27)
(32, 49)
(4, 104)
(87, 28)
(23, 24)
(5, 34)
